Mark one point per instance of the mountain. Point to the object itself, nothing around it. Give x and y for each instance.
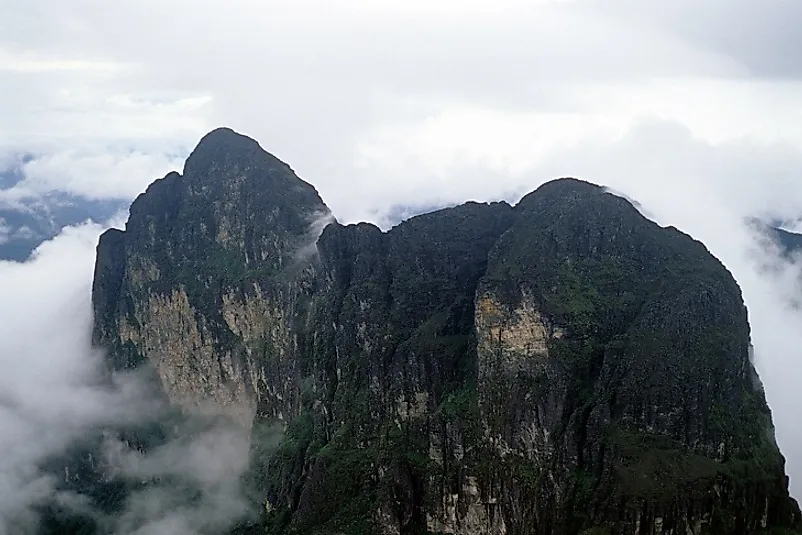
(788, 243)
(560, 366)
(28, 220)
(791, 242)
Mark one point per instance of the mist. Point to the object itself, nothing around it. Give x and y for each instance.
(55, 396)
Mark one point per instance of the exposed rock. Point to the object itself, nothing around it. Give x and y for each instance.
(178, 288)
(556, 367)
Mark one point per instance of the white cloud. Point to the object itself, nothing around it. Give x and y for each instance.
(44, 365)
(212, 459)
(28, 63)
(94, 175)
(312, 87)
(24, 233)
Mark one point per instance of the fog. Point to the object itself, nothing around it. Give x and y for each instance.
(54, 393)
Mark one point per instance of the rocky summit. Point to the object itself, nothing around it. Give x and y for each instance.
(561, 366)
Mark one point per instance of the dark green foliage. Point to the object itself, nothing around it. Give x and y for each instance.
(656, 467)
(461, 405)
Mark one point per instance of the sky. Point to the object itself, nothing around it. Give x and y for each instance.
(692, 107)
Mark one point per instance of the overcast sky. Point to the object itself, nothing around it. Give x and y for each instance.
(692, 107)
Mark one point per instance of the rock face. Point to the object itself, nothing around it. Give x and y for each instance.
(558, 367)
(180, 288)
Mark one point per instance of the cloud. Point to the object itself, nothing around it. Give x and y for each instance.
(313, 88)
(53, 395)
(43, 371)
(100, 175)
(760, 36)
(319, 222)
(198, 489)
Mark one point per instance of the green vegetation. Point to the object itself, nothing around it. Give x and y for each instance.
(659, 468)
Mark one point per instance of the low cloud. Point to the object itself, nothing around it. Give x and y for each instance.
(319, 222)
(198, 485)
(55, 392)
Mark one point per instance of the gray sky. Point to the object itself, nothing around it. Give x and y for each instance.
(692, 107)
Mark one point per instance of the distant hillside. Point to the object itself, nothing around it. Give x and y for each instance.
(790, 241)
(28, 220)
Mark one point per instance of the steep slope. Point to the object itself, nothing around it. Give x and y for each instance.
(557, 366)
(177, 290)
(641, 399)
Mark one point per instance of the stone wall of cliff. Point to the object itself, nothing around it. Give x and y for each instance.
(559, 366)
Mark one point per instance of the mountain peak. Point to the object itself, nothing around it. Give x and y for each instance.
(561, 188)
(224, 134)
(225, 149)
(577, 200)
(569, 184)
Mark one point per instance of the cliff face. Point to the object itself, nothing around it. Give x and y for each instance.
(191, 288)
(559, 366)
